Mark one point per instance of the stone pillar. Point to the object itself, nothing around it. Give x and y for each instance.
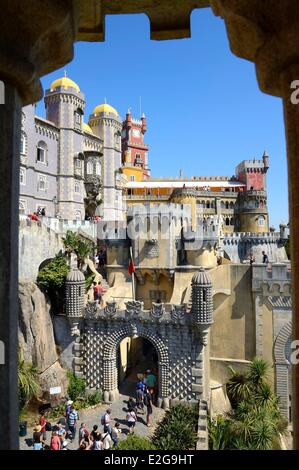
(10, 122)
(291, 115)
(258, 327)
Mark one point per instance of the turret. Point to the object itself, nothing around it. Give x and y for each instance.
(202, 302)
(266, 161)
(75, 287)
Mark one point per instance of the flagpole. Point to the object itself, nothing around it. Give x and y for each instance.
(133, 276)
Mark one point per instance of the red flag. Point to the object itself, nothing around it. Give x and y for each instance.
(131, 264)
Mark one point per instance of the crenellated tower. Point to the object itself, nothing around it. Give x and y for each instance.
(134, 150)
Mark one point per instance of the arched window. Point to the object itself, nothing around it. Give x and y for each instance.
(227, 221)
(41, 156)
(77, 187)
(89, 168)
(78, 118)
(208, 205)
(232, 221)
(22, 206)
(78, 215)
(23, 144)
(98, 168)
(231, 205)
(22, 176)
(261, 221)
(227, 205)
(222, 205)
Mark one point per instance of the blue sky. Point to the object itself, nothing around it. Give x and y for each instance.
(204, 108)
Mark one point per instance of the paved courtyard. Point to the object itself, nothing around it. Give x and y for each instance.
(119, 411)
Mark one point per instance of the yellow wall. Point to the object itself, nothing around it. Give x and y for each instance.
(129, 171)
(142, 290)
(249, 223)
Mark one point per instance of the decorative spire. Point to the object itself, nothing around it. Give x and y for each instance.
(65, 72)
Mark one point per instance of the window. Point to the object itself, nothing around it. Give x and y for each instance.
(227, 221)
(22, 176)
(23, 143)
(22, 206)
(98, 168)
(41, 152)
(132, 178)
(78, 215)
(78, 163)
(89, 168)
(226, 205)
(77, 187)
(42, 183)
(78, 118)
(261, 221)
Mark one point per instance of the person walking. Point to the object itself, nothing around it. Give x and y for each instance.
(72, 422)
(140, 388)
(106, 421)
(131, 418)
(83, 432)
(149, 407)
(43, 423)
(151, 382)
(116, 431)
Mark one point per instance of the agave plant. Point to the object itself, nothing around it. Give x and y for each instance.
(258, 372)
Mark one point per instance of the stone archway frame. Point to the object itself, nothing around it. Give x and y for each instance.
(110, 374)
(282, 366)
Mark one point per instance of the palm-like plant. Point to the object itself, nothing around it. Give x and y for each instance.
(83, 250)
(258, 372)
(238, 387)
(70, 242)
(27, 381)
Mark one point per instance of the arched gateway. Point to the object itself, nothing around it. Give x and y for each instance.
(178, 335)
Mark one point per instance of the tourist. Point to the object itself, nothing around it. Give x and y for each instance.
(55, 441)
(37, 438)
(97, 442)
(98, 291)
(43, 212)
(43, 424)
(106, 421)
(251, 259)
(140, 388)
(149, 406)
(64, 445)
(131, 418)
(151, 382)
(115, 434)
(72, 422)
(132, 406)
(68, 408)
(94, 432)
(265, 258)
(106, 438)
(61, 431)
(83, 432)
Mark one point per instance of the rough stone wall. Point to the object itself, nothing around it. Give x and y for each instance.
(36, 337)
(36, 244)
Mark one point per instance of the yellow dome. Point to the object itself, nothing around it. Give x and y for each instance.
(87, 128)
(64, 82)
(104, 108)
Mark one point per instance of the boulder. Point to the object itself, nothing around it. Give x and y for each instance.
(36, 337)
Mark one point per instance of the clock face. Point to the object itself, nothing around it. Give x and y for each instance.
(136, 133)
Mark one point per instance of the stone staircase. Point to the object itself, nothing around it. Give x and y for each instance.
(202, 433)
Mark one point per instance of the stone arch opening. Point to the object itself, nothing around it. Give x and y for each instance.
(110, 366)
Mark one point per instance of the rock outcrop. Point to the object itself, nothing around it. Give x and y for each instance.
(36, 337)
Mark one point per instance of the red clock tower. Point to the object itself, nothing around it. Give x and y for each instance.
(134, 150)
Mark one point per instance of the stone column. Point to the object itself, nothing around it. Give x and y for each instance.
(10, 122)
(291, 115)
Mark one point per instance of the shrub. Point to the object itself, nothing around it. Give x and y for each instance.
(53, 275)
(28, 384)
(178, 429)
(76, 386)
(135, 443)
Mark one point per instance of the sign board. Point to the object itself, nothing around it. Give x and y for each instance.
(55, 390)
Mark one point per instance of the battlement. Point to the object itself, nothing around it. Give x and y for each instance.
(271, 273)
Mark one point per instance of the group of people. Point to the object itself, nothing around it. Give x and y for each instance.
(103, 437)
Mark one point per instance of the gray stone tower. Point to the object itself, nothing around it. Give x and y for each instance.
(202, 318)
(202, 300)
(65, 104)
(75, 287)
(106, 123)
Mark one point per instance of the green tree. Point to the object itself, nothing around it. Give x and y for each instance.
(70, 242)
(28, 384)
(74, 243)
(255, 422)
(51, 279)
(135, 443)
(178, 429)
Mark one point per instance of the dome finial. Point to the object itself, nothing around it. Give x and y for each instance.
(65, 72)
